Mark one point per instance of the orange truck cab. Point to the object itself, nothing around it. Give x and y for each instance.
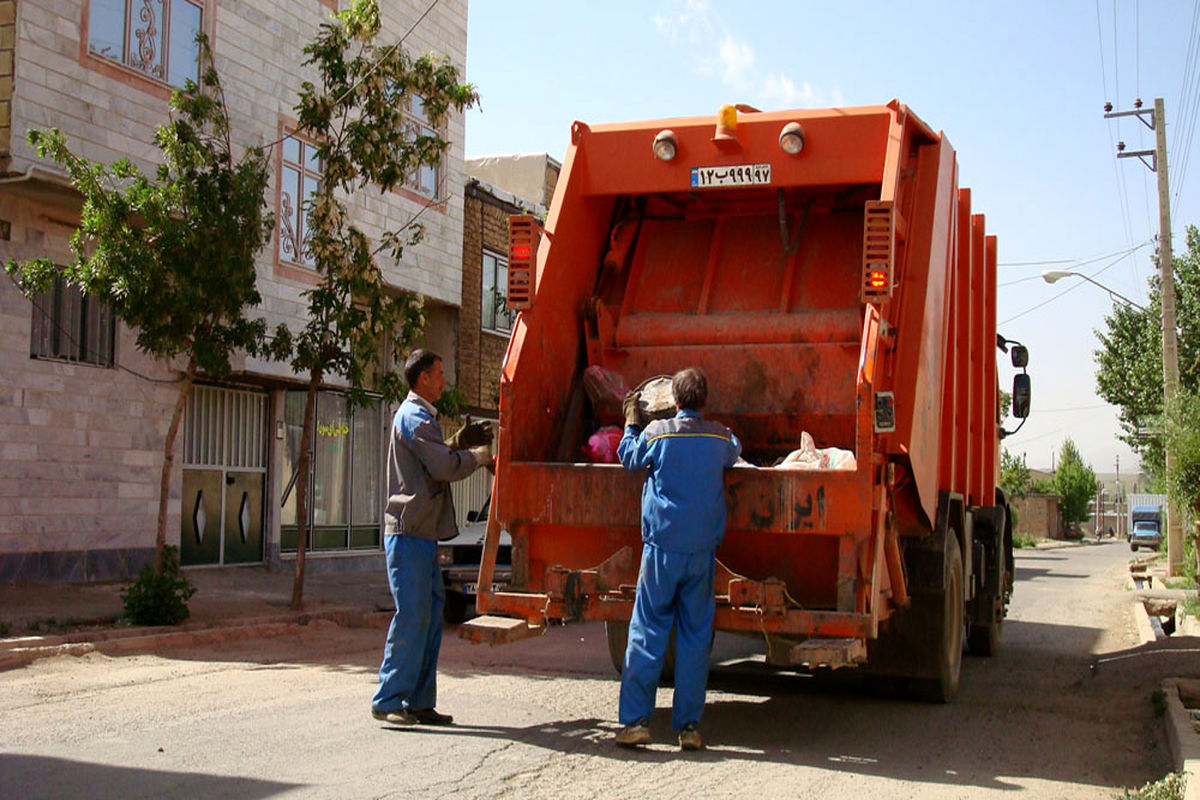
(825, 270)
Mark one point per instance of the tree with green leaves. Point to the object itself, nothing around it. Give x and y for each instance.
(355, 114)
(1015, 479)
(172, 255)
(1075, 482)
(1129, 367)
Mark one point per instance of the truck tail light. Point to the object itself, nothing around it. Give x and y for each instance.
(522, 244)
(878, 250)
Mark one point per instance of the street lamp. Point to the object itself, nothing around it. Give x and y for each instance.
(1052, 275)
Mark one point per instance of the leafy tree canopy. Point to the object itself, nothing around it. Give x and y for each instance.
(1075, 482)
(1129, 361)
(1014, 475)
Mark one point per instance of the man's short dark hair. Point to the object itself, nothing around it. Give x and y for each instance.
(690, 388)
(418, 361)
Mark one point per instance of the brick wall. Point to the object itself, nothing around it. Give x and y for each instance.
(485, 226)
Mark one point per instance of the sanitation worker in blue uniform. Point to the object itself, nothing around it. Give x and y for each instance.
(683, 522)
(420, 512)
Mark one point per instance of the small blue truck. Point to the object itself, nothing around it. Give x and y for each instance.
(1147, 527)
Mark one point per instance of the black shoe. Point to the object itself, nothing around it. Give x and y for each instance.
(401, 716)
(429, 716)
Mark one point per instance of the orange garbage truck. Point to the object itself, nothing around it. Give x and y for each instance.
(826, 271)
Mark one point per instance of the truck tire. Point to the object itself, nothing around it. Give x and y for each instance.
(941, 689)
(984, 640)
(618, 640)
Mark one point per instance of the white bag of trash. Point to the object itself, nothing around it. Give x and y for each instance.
(811, 457)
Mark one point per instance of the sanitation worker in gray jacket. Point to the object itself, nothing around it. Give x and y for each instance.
(419, 513)
(683, 522)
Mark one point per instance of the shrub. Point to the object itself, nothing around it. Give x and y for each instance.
(1022, 539)
(159, 596)
(1168, 788)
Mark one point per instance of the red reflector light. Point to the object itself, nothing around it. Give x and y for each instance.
(877, 279)
(521, 251)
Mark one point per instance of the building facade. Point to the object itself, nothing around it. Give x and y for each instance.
(83, 414)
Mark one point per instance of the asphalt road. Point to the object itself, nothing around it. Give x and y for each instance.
(289, 717)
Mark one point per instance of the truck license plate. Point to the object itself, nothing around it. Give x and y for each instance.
(737, 175)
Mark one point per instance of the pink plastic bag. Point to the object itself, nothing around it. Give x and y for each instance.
(602, 445)
(606, 389)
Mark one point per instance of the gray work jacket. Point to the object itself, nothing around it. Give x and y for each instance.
(420, 469)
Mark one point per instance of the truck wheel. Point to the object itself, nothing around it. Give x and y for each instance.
(984, 639)
(618, 641)
(1132, 547)
(942, 688)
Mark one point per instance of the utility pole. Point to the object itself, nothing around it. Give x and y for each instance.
(1166, 273)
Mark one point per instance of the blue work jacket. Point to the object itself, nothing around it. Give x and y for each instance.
(683, 499)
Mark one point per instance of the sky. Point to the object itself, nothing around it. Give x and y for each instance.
(1018, 88)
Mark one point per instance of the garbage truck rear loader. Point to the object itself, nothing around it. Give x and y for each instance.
(826, 272)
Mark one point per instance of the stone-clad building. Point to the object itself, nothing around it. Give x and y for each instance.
(82, 412)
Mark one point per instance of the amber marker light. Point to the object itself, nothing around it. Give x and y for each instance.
(791, 138)
(726, 124)
(877, 279)
(665, 145)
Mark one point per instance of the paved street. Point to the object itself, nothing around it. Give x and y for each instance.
(288, 717)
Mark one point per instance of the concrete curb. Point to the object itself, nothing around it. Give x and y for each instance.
(17, 653)
(1183, 739)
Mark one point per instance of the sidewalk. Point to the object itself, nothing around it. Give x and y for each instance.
(41, 619)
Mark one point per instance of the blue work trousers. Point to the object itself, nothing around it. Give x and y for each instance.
(672, 588)
(408, 675)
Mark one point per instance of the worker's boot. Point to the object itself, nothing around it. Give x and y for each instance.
(689, 738)
(634, 735)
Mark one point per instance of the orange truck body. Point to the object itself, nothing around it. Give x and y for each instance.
(847, 291)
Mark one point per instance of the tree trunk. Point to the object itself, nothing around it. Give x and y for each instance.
(164, 487)
(304, 467)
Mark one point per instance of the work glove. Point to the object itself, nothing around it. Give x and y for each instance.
(633, 415)
(471, 434)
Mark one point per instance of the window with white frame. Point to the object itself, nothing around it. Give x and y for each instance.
(299, 176)
(495, 314)
(155, 37)
(424, 179)
(70, 325)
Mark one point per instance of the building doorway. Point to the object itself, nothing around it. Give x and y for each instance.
(224, 475)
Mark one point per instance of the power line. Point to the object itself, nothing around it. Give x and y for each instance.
(1100, 271)
(1122, 193)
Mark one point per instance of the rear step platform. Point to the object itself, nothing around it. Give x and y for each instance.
(494, 630)
(818, 651)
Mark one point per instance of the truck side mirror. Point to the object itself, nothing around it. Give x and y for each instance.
(1020, 356)
(1020, 395)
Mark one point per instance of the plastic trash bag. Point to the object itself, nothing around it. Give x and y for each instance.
(601, 447)
(810, 457)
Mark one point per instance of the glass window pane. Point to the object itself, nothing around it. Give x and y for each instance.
(185, 54)
(41, 342)
(311, 161)
(366, 501)
(331, 460)
(488, 310)
(147, 38)
(291, 149)
(293, 420)
(106, 28)
(310, 189)
(289, 214)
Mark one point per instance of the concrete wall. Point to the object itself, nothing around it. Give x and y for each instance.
(81, 446)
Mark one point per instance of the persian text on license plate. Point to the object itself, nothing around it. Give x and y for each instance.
(737, 175)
